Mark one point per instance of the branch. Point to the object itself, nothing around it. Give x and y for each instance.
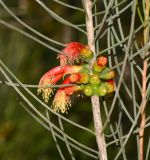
(144, 82)
(34, 86)
(6, 24)
(69, 6)
(57, 17)
(27, 26)
(95, 99)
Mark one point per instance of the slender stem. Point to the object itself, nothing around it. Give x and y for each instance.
(143, 115)
(95, 99)
(144, 82)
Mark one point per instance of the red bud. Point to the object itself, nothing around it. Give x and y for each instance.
(102, 61)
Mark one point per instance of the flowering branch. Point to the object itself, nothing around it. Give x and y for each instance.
(95, 99)
(79, 65)
(99, 83)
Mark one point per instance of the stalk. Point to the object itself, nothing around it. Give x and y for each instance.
(95, 99)
(144, 82)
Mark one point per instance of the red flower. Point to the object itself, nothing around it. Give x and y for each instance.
(62, 100)
(98, 82)
(44, 85)
(53, 76)
(69, 69)
(73, 52)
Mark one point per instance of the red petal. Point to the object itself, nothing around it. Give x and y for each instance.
(110, 81)
(71, 52)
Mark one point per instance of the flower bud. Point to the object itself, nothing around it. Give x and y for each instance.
(94, 79)
(102, 90)
(84, 78)
(110, 86)
(97, 68)
(102, 61)
(86, 53)
(88, 91)
(107, 75)
(74, 77)
(94, 88)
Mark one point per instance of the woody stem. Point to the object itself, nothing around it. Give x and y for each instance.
(144, 82)
(95, 99)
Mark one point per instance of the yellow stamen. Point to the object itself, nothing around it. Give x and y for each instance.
(61, 102)
(46, 91)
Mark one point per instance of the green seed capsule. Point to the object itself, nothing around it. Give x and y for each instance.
(80, 87)
(88, 91)
(86, 53)
(110, 87)
(108, 75)
(94, 79)
(97, 68)
(94, 88)
(102, 90)
(84, 78)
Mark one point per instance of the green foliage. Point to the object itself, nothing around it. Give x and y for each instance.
(32, 33)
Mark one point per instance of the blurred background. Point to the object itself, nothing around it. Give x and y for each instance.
(21, 137)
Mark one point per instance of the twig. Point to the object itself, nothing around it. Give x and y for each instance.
(95, 99)
(35, 86)
(144, 82)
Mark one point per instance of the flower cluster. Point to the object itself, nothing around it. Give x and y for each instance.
(76, 77)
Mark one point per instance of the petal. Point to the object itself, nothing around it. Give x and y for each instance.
(71, 53)
(52, 72)
(62, 100)
(63, 59)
